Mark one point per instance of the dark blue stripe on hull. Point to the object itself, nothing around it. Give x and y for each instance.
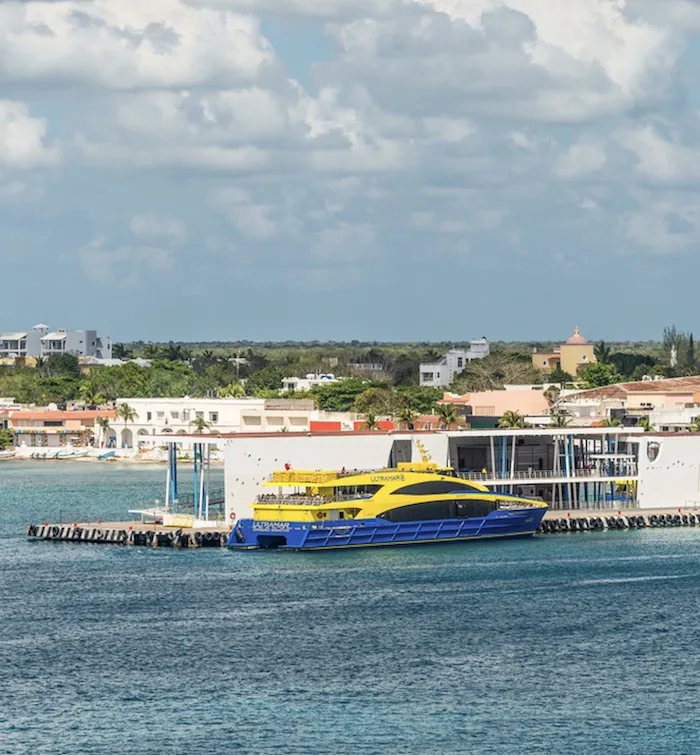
(379, 532)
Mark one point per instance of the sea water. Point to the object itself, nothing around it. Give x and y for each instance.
(582, 643)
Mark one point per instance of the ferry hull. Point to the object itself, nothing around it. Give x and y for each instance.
(365, 533)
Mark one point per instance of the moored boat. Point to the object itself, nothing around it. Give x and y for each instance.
(411, 504)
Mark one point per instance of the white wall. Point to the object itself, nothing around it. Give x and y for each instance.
(672, 480)
(251, 461)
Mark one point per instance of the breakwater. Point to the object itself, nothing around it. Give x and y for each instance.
(158, 536)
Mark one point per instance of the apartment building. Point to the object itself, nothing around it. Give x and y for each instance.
(440, 374)
(41, 341)
(155, 417)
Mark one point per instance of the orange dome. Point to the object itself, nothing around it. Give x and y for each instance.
(576, 339)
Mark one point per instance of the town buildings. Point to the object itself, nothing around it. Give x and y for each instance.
(570, 356)
(41, 341)
(219, 416)
(440, 374)
(670, 404)
(295, 384)
(46, 428)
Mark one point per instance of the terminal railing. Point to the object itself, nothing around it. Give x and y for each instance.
(548, 474)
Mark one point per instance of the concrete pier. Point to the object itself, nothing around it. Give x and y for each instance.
(216, 536)
(132, 533)
(621, 519)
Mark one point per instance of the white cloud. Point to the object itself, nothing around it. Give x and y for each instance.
(665, 224)
(256, 220)
(154, 227)
(22, 138)
(122, 265)
(124, 44)
(583, 158)
(658, 158)
(520, 59)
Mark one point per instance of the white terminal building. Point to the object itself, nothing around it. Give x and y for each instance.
(578, 468)
(155, 417)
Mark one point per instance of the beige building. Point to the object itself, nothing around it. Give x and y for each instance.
(570, 356)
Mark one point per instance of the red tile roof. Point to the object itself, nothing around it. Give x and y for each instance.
(62, 415)
(622, 390)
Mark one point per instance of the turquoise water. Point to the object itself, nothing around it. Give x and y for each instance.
(580, 644)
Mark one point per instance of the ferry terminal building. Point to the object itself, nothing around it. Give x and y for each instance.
(570, 468)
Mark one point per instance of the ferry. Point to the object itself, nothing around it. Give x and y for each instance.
(410, 504)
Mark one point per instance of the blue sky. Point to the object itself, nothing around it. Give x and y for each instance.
(370, 169)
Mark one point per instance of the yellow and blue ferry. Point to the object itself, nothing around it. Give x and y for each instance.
(410, 504)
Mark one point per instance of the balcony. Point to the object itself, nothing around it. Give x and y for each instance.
(596, 474)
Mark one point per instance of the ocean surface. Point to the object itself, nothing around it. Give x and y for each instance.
(585, 644)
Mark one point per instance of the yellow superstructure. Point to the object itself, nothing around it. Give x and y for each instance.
(323, 495)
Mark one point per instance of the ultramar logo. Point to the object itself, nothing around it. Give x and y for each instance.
(387, 478)
(270, 526)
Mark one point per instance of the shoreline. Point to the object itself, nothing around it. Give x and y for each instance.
(135, 460)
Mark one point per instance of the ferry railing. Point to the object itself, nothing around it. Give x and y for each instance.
(308, 500)
(548, 474)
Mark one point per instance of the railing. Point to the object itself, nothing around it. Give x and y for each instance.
(308, 500)
(547, 474)
(216, 496)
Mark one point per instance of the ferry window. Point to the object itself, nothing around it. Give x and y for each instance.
(421, 511)
(358, 490)
(465, 509)
(434, 487)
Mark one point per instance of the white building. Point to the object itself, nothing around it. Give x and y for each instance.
(168, 416)
(294, 384)
(41, 341)
(441, 374)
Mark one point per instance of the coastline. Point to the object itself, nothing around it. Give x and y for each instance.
(148, 458)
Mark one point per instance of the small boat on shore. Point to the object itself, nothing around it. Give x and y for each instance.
(7, 454)
(409, 505)
(71, 453)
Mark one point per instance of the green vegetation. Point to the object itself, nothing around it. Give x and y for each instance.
(382, 378)
(6, 439)
(599, 374)
(512, 419)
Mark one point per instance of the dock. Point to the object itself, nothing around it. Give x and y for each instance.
(216, 534)
(132, 533)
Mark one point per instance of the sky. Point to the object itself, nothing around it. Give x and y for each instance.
(350, 169)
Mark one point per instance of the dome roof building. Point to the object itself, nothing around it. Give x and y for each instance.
(570, 356)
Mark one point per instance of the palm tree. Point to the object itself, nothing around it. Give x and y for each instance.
(152, 351)
(103, 424)
(91, 396)
(645, 422)
(447, 414)
(695, 425)
(560, 419)
(512, 419)
(371, 421)
(601, 352)
(408, 417)
(200, 425)
(127, 413)
(232, 390)
(608, 422)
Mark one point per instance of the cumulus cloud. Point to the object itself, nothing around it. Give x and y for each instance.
(154, 227)
(479, 130)
(585, 157)
(122, 264)
(664, 159)
(23, 138)
(124, 44)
